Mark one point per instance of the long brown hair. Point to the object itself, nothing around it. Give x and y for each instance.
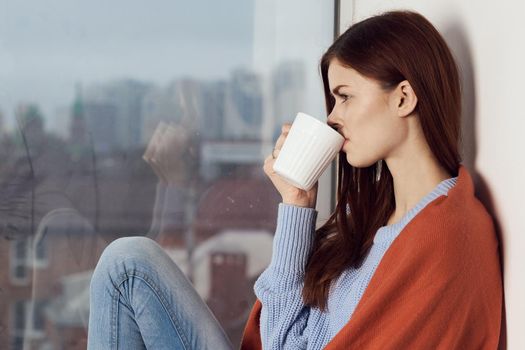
(390, 47)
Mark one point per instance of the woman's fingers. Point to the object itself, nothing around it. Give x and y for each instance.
(152, 144)
(284, 133)
(270, 159)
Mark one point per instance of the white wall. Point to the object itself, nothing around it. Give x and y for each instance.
(487, 39)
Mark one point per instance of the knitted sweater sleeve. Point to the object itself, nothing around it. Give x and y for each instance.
(283, 316)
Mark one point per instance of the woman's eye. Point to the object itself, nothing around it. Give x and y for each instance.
(344, 97)
(341, 97)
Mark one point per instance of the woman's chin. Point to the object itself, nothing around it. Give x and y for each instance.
(350, 160)
(358, 163)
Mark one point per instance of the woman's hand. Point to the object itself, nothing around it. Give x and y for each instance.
(152, 149)
(290, 194)
(167, 153)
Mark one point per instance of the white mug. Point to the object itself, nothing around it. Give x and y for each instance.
(309, 148)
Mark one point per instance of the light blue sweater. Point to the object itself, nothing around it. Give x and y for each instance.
(285, 322)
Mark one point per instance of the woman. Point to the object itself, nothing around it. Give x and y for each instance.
(408, 259)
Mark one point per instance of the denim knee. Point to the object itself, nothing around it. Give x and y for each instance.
(123, 256)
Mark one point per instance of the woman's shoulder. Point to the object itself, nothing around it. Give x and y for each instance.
(451, 226)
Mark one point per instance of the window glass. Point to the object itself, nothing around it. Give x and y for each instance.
(135, 118)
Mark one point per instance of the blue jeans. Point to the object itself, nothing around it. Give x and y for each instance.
(140, 299)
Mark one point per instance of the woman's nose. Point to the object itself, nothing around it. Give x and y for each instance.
(331, 121)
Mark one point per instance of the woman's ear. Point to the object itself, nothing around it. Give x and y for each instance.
(405, 99)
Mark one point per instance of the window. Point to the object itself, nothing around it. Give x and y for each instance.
(23, 261)
(41, 252)
(18, 263)
(22, 312)
(152, 119)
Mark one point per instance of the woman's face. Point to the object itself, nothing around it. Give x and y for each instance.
(366, 115)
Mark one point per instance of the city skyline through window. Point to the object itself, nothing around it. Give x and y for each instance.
(144, 119)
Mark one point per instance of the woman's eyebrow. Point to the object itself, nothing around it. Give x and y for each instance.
(335, 90)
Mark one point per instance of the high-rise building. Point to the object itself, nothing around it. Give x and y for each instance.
(213, 110)
(244, 106)
(180, 102)
(78, 134)
(288, 89)
(101, 119)
(126, 97)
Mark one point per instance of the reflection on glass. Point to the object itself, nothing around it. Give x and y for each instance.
(148, 124)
